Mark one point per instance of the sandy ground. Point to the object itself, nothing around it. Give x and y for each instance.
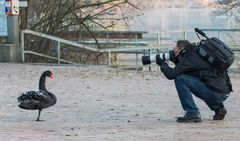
(98, 103)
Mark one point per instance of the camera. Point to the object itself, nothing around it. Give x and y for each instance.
(153, 58)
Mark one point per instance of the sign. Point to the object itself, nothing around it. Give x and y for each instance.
(3, 19)
(22, 3)
(12, 7)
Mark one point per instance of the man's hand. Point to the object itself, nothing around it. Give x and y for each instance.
(173, 58)
(159, 61)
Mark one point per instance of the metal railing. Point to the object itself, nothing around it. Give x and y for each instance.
(151, 43)
(138, 47)
(58, 40)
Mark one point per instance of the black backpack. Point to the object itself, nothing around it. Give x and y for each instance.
(215, 52)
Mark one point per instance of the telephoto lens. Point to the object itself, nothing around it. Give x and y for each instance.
(148, 59)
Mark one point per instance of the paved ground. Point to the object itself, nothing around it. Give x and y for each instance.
(97, 103)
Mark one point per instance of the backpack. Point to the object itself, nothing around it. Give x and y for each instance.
(214, 51)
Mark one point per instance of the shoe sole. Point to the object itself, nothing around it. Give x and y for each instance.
(189, 121)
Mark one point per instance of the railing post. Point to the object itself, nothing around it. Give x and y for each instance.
(109, 58)
(58, 52)
(137, 44)
(136, 39)
(150, 53)
(136, 60)
(158, 38)
(184, 35)
(22, 46)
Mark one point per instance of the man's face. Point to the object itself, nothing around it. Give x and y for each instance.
(176, 49)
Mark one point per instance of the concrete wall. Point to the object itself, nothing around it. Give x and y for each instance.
(10, 53)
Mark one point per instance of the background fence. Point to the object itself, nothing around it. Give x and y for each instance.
(124, 51)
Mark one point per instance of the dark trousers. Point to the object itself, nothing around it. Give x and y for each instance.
(187, 85)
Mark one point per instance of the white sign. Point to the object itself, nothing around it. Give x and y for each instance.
(12, 7)
(3, 19)
(22, 3)
(15, 7)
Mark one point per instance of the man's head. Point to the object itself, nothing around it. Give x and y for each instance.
(179, 46)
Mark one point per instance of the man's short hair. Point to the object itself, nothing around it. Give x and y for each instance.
(182, 43)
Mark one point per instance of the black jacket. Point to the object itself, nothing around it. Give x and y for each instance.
(190, 63)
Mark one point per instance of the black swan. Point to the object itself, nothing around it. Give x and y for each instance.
(38, 100)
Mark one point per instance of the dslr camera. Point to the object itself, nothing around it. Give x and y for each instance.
(148, 59)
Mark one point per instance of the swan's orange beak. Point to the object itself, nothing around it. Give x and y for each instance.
(52, 76)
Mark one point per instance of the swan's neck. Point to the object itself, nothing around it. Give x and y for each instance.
(42, 87)
(42, 81)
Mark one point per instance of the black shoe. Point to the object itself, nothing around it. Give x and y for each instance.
(190, 117)
(220, 112)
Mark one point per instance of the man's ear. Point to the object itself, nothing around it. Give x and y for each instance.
(182, 51)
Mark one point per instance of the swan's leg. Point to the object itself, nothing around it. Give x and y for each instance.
(39, 112)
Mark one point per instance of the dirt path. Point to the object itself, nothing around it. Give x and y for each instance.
(97, 103)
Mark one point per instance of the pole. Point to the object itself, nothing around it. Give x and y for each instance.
(13, 30)
(22, 47)
(109, 59)
(58, 52)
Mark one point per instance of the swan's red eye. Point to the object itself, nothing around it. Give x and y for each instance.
(52, 76)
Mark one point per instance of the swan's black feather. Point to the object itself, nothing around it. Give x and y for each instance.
(31, 95)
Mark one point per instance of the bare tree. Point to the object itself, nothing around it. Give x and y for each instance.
(56, 17)
(230, 8)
